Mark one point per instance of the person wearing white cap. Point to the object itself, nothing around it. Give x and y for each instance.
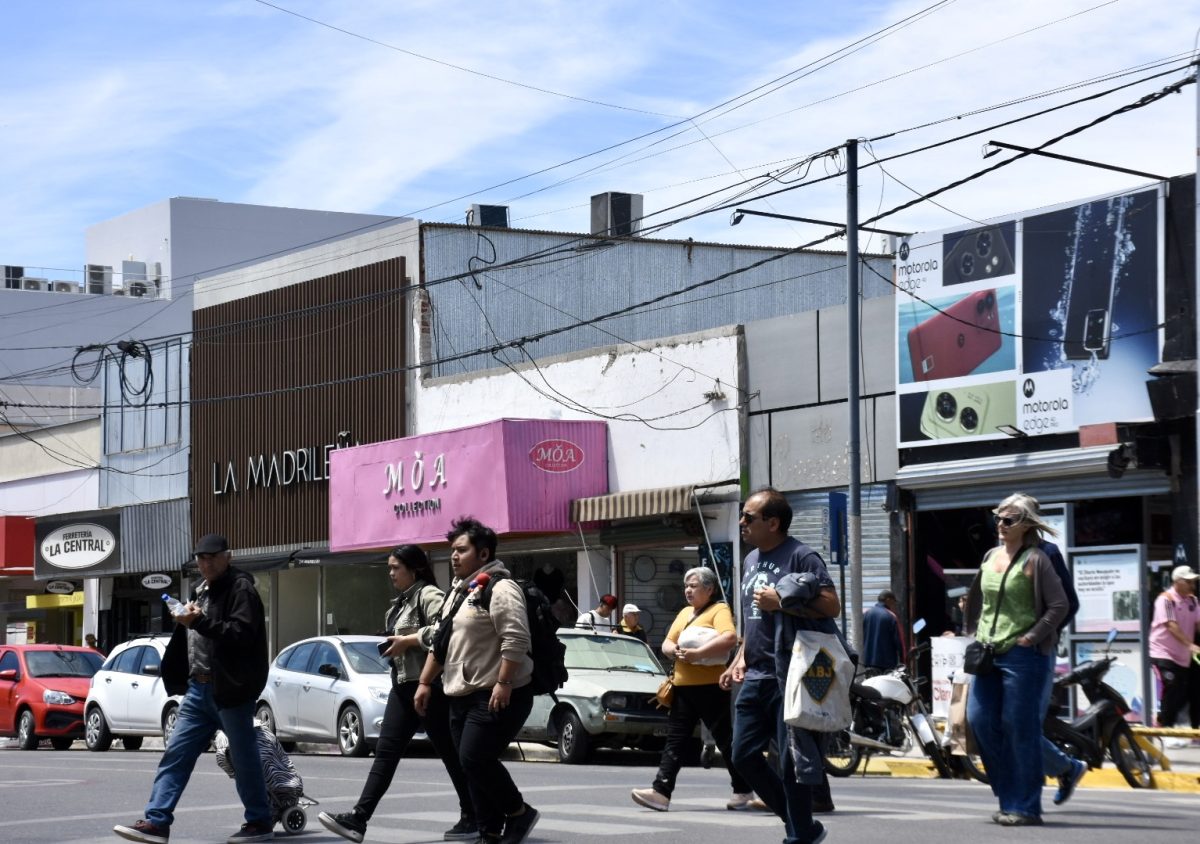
(631, 622)
(1172, 643)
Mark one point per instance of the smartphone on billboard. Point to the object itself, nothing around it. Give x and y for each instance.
(955, 341)
(978, 254)
(1091, 268)
(968, 411)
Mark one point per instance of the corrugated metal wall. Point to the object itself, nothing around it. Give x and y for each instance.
(581, 277)
(810, 524)
(156, 537)
(279, 343)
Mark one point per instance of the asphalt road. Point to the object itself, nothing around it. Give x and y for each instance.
(77, 796)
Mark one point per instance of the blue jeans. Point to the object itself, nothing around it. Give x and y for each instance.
(199, 719)
(1005, 711)
(757, 719)
(1055, 763)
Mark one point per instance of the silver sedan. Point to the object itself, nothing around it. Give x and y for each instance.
(328, 689)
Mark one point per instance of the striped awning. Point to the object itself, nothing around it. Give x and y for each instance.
(634, 504)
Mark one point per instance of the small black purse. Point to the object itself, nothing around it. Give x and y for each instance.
(979, 658)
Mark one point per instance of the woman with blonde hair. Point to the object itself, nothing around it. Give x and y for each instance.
(1015, 604)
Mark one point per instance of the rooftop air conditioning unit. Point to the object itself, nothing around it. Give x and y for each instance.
(616, 214)
(34, 284)
(488, 216)
(64, 287)
(99, 280)
(140, 290)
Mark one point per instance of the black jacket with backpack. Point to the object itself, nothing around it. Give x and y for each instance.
(236, 622)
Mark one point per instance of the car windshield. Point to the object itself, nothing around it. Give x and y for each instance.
(62, 663)
(611, 653)
(364, 658)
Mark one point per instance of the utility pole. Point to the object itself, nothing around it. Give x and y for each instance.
(854, 499)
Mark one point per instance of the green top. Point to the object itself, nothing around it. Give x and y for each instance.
(1017, 613)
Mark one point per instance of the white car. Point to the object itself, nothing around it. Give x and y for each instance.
(328, 689)
(607, 701)
(127, 699)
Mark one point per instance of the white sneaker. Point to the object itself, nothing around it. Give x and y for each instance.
(740, 801)
(1177, 743)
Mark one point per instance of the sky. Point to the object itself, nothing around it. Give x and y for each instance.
(420, 108)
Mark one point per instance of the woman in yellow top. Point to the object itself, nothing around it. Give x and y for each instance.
(699, 641)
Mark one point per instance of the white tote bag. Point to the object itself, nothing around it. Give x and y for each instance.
(817, 696)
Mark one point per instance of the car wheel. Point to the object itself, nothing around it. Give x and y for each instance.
(61, 743)
(96, 734)
(351, 740)
(26, 737)
(266, 717)
(131, 742)
(574, 743)
(170, 717)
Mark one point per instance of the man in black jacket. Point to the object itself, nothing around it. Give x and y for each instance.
(218, 657)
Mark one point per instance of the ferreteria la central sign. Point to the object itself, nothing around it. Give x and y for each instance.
(307, 464)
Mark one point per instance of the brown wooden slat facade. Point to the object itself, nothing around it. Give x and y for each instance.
(308, 338)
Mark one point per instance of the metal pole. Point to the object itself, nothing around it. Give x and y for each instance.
(854, 502)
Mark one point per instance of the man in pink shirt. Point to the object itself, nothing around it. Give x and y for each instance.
(1172, 641)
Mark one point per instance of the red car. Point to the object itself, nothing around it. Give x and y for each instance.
(42, 690)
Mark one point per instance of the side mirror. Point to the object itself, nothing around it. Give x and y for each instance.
(9, 674)
(328, 669)
(153, 669)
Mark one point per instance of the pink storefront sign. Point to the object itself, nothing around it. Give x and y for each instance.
(514, 475)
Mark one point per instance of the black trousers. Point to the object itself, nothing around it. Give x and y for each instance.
(481, 736)
(1174, 679)
(692, 704)
(400, 724)
(1194, 694)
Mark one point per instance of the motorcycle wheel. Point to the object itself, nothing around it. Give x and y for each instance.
(972, 766)
(1129, 757)
(841, 757)
(940, 759)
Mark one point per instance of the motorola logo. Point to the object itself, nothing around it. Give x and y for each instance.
(1027, 388)
(904, 250)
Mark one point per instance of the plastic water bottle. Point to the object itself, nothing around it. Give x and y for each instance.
(173, 605)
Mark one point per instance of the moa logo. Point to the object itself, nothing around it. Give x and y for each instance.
(556, 456)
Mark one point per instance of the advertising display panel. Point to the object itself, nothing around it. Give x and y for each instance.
(1036, 324)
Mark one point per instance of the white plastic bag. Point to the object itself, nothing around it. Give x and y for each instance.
(817, 696)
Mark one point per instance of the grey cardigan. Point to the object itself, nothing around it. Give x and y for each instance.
(1049, 600)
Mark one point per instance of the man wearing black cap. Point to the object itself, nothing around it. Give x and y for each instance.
(217, 657)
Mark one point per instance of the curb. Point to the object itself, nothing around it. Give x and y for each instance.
(1175, 781)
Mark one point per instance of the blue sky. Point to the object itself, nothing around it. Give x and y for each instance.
(107, 107)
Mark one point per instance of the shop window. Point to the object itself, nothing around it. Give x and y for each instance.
(1109, 521)
(356, 599)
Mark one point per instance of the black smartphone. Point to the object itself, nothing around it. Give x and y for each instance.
(1093, 262)
(384, 645)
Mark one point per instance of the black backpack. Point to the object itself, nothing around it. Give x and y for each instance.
(548, 652)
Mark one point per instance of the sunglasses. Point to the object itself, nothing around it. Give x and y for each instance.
(748, 517)
(1008, 521)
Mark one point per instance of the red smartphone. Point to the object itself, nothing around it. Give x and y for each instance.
(955, 341)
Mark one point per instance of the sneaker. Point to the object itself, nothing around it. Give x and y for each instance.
(758, 805)
(651, 799)
(1068, 781)
(1014, 819)
(1176, 743)
(518, 827)
(740, 801)
(145, 832)
(467, 829)
(821, 832)
(708, 755)
(251, 832)
(349, 825)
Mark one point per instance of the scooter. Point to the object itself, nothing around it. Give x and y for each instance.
(887, 716)
(1102, 727)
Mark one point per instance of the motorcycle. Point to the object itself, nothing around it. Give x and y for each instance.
(889, 717)
(1102, 728)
